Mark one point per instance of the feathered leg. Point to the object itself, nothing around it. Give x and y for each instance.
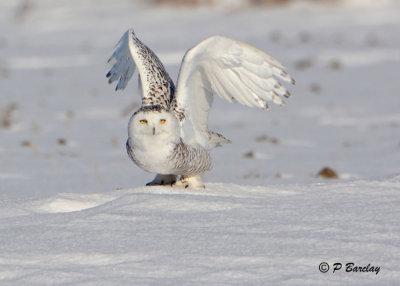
(193, 182)
(162, 180)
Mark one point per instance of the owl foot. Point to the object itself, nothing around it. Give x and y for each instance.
(194, 182)
(161, 180)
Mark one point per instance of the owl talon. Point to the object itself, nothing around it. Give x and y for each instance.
(162, 180)
(190, 183)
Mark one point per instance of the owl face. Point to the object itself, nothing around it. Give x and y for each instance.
(154, 124)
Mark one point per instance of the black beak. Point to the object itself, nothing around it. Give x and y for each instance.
(154, 130)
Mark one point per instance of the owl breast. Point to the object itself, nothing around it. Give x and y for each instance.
(170, 159)
(151, 157)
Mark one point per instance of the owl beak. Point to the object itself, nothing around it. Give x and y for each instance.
(154, 131)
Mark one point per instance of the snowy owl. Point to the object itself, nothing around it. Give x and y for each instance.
(168, 135)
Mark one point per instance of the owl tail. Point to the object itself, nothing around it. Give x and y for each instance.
(217, 139)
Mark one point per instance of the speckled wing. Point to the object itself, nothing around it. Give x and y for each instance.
(232, 70)
(129, 53)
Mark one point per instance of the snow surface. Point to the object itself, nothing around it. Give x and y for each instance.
(72, 207)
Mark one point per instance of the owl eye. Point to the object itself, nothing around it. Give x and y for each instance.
(162, 121)
(143, 121)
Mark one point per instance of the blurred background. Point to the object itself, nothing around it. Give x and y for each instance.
(63, 128)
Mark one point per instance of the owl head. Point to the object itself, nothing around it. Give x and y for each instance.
(154, 122)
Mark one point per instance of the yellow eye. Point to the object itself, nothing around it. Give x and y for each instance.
(143, 121)
(162, 121)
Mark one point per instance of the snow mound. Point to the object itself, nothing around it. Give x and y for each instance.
(226, 234)
(64, 203)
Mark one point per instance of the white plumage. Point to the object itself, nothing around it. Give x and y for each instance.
(169, 134)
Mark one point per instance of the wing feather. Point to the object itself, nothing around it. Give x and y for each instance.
(221, 87)
(232, 70)
(255, 83)
(130, 53)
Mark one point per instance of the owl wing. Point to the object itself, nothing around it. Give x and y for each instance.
(232, 70)
(157, 87)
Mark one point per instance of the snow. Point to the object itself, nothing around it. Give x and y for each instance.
(229, 234)
(73, 209)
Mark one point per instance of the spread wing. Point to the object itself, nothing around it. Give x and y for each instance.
(129, 53)
(232, 70)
